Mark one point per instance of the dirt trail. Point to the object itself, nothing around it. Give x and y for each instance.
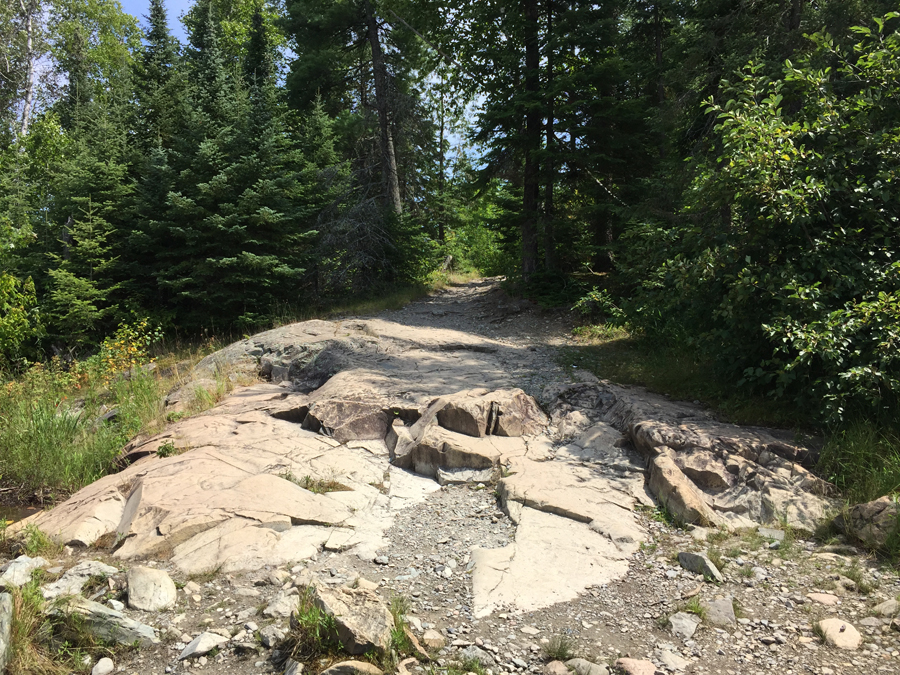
(500, 541)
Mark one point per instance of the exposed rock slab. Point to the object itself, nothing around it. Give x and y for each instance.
(108, 624)
(872, 523)
(75, 578)
(552, 560)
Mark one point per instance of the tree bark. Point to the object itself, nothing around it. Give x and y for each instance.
(532, 137)
(550, 262)
(388, 158)
(28, 12)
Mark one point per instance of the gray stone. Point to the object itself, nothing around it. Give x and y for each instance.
(720, 612)
(115, 604)
(698, 563)
(473, 653)
(75, 579)
(771, 533)
(107, 623)
(18, 572)
(352, 668)
(150, 589)
(293, 667)
(270, 636)
(888, 608)
(282, 605)
(6, 617)
(202, 644)
(585, 667)
(104, 666)
(670, 660)
(872, 523)
(363, 621)
(683, 625)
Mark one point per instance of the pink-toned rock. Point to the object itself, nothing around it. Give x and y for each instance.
(635, 667)
(838, 633)
(556, 668)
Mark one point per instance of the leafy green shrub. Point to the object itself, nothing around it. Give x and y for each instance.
(784, 263)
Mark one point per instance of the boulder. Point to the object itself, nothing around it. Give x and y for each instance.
(473, 653)
(872, 523)
(678, 494)
(838, 633)
(635, 667)
(107, 624)
(346, 420)
(76, 578)
(683, 625)
(352, 668)
(202, 644)
(585, 667)
(6, 618)
(363, 621)
(150, 589)
(506, 412)
(699, 563)
(18, 572)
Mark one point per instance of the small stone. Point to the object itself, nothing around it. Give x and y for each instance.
(115, 604)
(720, 612)
(104, 666)
(670, 660)
(433, 640)
(700, 564)
(838, 633)
(771, 533)
(251, 626)
(635, 667)
(202, 661)
(683, 625)
(823, 598)
(352, 668)
(270, 636)
(556, 668)
(202, 644)
(247, 592)
(381, 560)
(585, 667)
(530, 630)
(192, 587)
(292, 667)
(150, 590)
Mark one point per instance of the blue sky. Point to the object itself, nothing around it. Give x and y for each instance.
(174, 9)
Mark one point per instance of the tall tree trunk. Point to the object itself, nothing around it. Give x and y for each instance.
(532, 174)
(550, 262)
(388, 158)
(28, 12)
(441, 209)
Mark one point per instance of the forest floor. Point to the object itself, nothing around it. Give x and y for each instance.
(776, 585)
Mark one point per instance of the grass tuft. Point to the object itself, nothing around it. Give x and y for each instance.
(693, 606)
(560, 648)
(316, 485)
(313, 633)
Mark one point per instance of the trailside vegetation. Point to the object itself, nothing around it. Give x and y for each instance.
(708, 179)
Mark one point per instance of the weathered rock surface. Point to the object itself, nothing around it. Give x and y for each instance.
(108, 624)
(6, 618)
(839, 633)
(872, 523)
(104, 666)
(17, 572)
(363, 621)
(479, 412)
(720, 611)
(683, 625)
(433, 640)
(75, 578)
(150, 589)
(202, 644)
(889, 607)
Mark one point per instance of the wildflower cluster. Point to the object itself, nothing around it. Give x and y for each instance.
(128, 347)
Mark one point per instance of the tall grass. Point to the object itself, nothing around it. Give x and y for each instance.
(862, 459)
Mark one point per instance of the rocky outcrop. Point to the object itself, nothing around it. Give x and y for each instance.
(704, 471)
(873, 523)
(362, 619)
(17, 572)
(76, 578)
(479, 412)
